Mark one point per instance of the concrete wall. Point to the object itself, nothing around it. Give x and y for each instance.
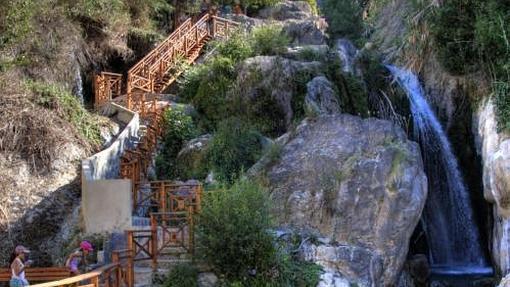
(106, 205)
(106, 200)
(106, 164)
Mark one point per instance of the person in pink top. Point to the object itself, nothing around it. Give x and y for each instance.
(79, 257)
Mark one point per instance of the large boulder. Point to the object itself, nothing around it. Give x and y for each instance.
(306, 32)
(359, 182)
(494, 148)
(321, 97)
(287, 10)
(191, 160)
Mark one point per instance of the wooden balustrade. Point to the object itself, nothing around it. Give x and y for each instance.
(167, 196)
(38, 274)
(106, 87)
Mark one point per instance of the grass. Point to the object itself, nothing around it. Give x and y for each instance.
(54, 97)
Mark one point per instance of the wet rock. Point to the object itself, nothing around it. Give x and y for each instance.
(207, 279)
(321, 97)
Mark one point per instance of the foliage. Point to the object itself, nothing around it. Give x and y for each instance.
(453, 29)
(234, 147)
(237, 47)
(68, 107)
(16, 21)
(473, 34)
(269, 40)
(209, 86)
(501, 93)
(232, 231)
(313, 4)
(344, 17)
(182, 275)
(179, 128)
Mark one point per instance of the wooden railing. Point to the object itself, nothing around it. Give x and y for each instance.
(106, 87)
(167, 196)
(117, 274)
(161, 67)
(38, 274)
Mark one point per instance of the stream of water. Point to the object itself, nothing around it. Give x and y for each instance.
(452, 234)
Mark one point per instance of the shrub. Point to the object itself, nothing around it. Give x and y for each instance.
(182, 275)
(237, 47)
(179, 128)
(452, 27)
(269, 40)
(68, 107)
(313, 5)
(232, 231)
(234, 147)
(344, 18)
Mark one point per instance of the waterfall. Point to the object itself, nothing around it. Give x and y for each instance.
(348, 53)
(78, 85)
(452, 234)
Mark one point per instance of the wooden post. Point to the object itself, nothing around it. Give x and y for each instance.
(154, 242)
(95, 281)
(129, 92)
(162, 197)
(190, 231)
(130, 272)
(118, 275)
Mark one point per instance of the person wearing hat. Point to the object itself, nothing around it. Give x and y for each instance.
(79, 257)
(18, 265)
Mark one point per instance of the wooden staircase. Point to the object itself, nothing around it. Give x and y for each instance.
(162, 66)
(168, 239)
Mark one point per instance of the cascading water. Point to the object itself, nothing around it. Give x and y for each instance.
(452, 233)
(347, 52)
(78, 86)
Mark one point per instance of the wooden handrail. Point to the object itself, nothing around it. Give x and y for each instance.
(94, 275)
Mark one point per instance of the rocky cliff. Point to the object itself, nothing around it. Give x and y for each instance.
(359, 183)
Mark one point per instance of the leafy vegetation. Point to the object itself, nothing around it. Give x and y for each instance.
(179, 128)
(344, 18)
(233, 237)
(209, 86)
(234, 148)
(68, 107)
(232, 231)
(182, 275)
(472, 34)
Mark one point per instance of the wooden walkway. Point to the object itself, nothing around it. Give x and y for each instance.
(171, 205)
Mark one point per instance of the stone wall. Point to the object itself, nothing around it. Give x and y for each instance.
(106, 201)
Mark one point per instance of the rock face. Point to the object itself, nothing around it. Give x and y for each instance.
(494, 149)
(287, 10)
(360, 183)
(299, 22)
(190, 160)
(273, 78)
(321, 97)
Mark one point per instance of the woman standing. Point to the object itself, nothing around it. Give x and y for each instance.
(18, 266)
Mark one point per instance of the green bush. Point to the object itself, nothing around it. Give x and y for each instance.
(313, 5)
(234, 147)
(269, 40)
(68, 107)
(237, 47)
(344, 18)
(179, 128)
(232, 231)
(16, 21)
(182, 275)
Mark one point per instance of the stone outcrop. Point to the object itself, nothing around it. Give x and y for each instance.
(274, 78)
(190, 160)
(358, 182)
(321, 97)
(494, 148)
